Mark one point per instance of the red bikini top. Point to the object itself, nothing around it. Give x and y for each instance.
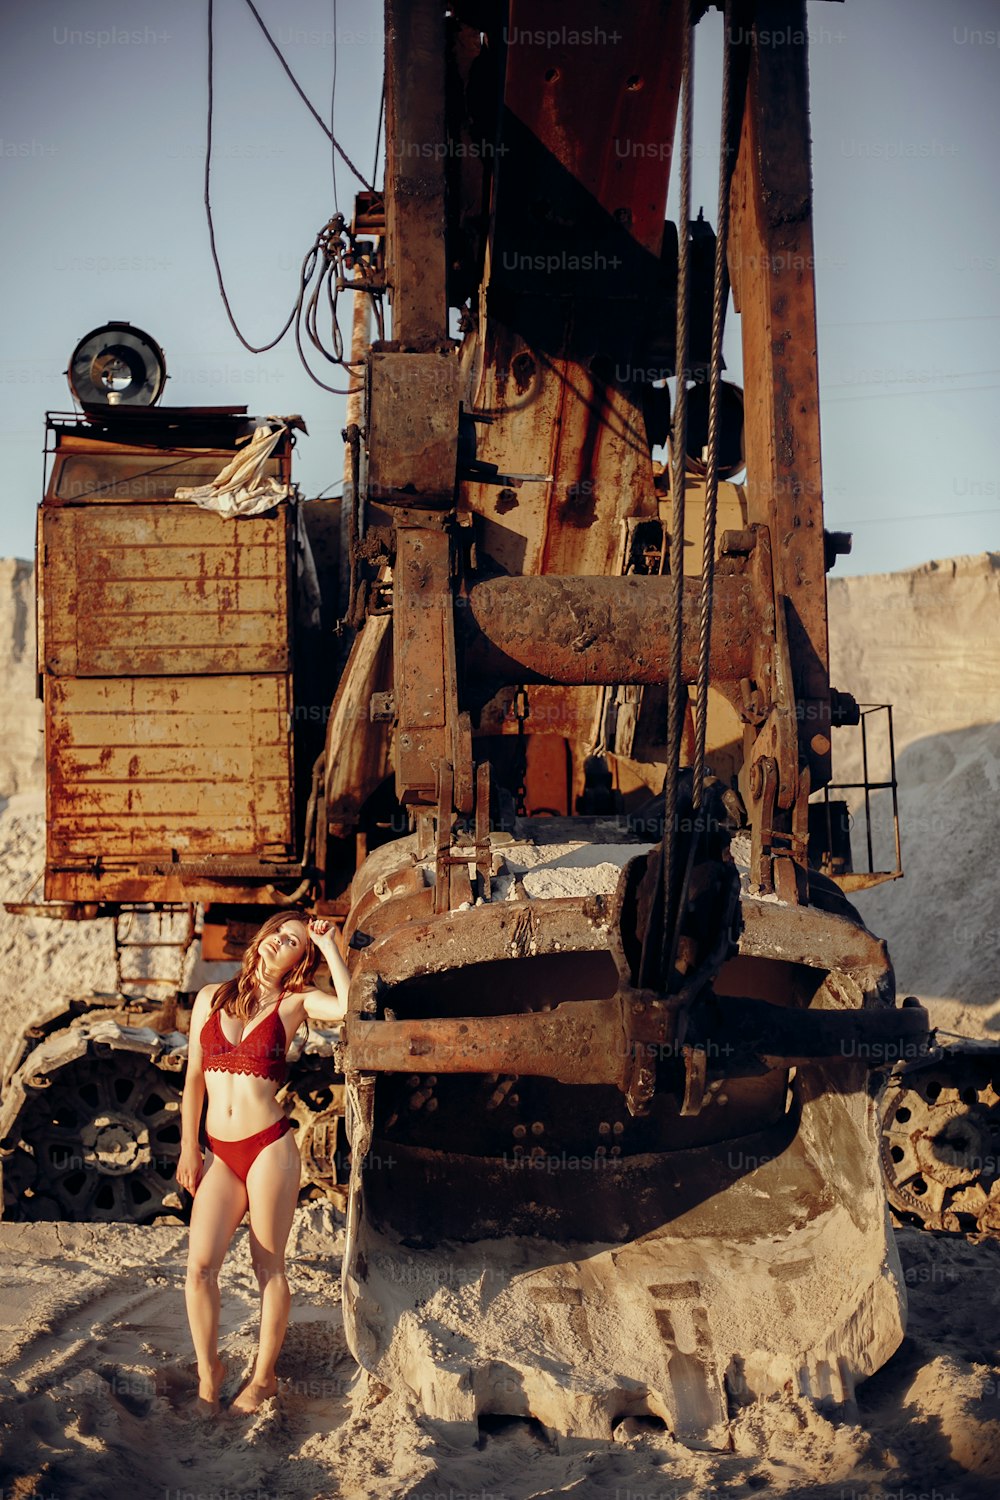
(260, 1051)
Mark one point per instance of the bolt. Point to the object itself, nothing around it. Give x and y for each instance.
(537, 1128)
(604, 1128)
(618, 1127)
(520, 1131)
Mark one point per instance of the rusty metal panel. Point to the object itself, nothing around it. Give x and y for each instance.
(574, 264)
(163, 589)
(413, 450)
(142, 767)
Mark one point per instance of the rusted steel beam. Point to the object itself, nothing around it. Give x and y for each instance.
(600, 1041)
(580, 1041)
(749, 1030)
(415, 171)
(771, 267)
(600, 630)
(425, 682)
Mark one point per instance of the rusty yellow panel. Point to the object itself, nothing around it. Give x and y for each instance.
(211, 763)
(139, 767)
(121, 563)
(146, 800)
(163, 590)
(164, 711)
(155, 595)
(168, 523)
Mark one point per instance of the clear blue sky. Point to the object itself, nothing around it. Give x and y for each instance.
(102, 125)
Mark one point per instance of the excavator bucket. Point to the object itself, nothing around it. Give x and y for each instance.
(521, 1243)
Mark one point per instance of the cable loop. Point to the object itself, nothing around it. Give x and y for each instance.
(331, 251)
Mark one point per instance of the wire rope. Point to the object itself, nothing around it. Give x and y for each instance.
(719, 294)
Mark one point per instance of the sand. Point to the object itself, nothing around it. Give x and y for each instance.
(96, 1370)
(97, 1385)
(928, 641)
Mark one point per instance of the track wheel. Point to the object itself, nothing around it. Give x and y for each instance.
(99, 1142)
(940, 1146)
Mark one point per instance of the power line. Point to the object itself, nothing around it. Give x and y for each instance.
(305, 98)
(378, 131)
(333, 112)
(849, 385)
(939, 515)
(253, 348)
(902, 395)
(326, 252)
(897, 322)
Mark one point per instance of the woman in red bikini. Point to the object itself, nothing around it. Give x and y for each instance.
(240, 1031)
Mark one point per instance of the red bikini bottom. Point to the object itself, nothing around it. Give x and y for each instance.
(239, 1156)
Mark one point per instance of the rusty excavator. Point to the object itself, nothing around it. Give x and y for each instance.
(545, 724)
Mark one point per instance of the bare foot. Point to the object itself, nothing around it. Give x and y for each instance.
(254, 1394)
(209, 1387)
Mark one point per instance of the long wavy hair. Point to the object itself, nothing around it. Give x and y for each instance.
(235, 996)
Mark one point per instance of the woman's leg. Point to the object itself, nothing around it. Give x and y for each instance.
(219, 1204)
(273, 1187)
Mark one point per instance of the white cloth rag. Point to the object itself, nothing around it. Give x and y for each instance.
(242, 489)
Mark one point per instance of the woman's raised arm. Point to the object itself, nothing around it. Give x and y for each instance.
(319, 1006)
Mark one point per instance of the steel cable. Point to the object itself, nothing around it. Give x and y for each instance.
(655, 955)
(719, 293)
(333, 113)
(378, 133)
(677, 691)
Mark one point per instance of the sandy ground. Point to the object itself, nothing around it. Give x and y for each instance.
(96, 1371)
(98, 1381)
